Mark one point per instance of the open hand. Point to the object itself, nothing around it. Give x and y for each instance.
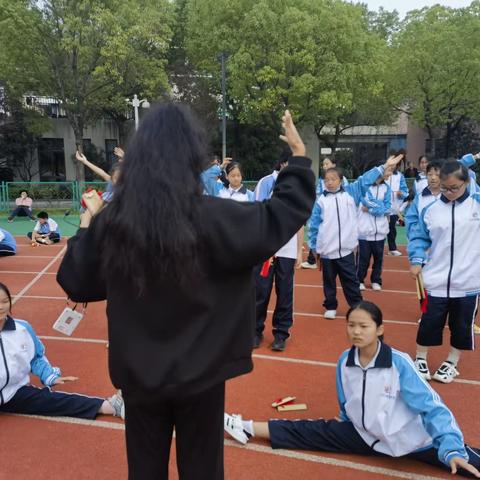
(62, 380)
(291, 135)
(393, 160)
(118, 152)
(456, 462)
(80, 157)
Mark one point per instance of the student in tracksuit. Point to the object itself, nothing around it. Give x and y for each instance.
(235, 189)
(213, 176)
(327, 163)
(22, 353)
(432, 191)
(444, 246)
(282, 270)
(372, 231)
(8, 244)
(386, 408)
(421, 181)
(333, 233)
(399, 192)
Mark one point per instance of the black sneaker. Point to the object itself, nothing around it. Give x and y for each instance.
(257, 340)
(278, 345)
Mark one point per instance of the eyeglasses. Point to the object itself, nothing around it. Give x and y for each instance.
(454, 189)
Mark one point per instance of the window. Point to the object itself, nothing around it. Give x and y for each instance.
(110, 158)
(51, 160)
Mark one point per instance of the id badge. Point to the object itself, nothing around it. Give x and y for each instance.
(68, 321)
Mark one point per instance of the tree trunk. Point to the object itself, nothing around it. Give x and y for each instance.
(79, 168)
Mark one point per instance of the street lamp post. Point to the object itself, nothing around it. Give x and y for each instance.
(135, 103)
(224, 106)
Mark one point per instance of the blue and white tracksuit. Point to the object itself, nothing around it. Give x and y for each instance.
(420, 201)
(372, 231)
(421, 182)
(8, 244)
(22, 353)
(333, 234)
(241, 194)
(321, 185)
(211, 184)
(425, 197)
(281, 271)
(446, 241)
(386, 408)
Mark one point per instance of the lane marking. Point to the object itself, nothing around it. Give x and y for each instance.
(260, 356)
(40, 297)
(292, 454)
(25, 273)
(19, 295)
(406, 292)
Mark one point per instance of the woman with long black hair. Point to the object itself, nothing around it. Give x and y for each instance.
(179, 329)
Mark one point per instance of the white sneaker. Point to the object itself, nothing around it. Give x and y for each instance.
(422, 366)
(362, 286)
(395, 253)
(233, 425)
(118, 405)
(446, 372)
(330, 314)
(308, 265)
(376, 286)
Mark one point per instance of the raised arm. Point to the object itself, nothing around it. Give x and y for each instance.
(97, 170)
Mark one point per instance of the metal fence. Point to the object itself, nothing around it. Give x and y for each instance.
(67, 195)
(46, 195)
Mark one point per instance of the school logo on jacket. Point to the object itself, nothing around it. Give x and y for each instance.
(475, 217)
(387, 392)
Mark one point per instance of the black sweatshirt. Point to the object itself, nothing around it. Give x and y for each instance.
(176, 340)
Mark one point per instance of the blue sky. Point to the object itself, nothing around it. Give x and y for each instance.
(403, 6)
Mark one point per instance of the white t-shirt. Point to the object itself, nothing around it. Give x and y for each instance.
(52, 225)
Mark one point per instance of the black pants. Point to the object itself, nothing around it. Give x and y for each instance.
(53, 236)
(341, 437)
(6, 250)
(345, 268)
(30, 400)
(461, 314)
(366, 250)
(392, 233)
(198, 423)
(282, 271)
(22, 211)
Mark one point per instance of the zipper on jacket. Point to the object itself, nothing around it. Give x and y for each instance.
(375, 217)
(6, 369)
(363, 398)
(339, 230)
(451, 250)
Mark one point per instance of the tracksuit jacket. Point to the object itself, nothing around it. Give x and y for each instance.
(22, 353)
(7, 239)
(393, 408)
(242, 194)
(425, 197)
(184, 338)
(373, 225)
(397, 183)
(446, 238)
(333, 226)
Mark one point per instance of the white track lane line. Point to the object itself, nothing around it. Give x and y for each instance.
(25, 273)
(292, 454)
(304, 285)
(19, 295)
(260, 356)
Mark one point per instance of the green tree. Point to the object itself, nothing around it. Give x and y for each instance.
(316, 57)
(90, 54)
(21, 128)
(434, 68)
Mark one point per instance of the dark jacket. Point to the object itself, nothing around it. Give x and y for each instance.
(178, 340)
